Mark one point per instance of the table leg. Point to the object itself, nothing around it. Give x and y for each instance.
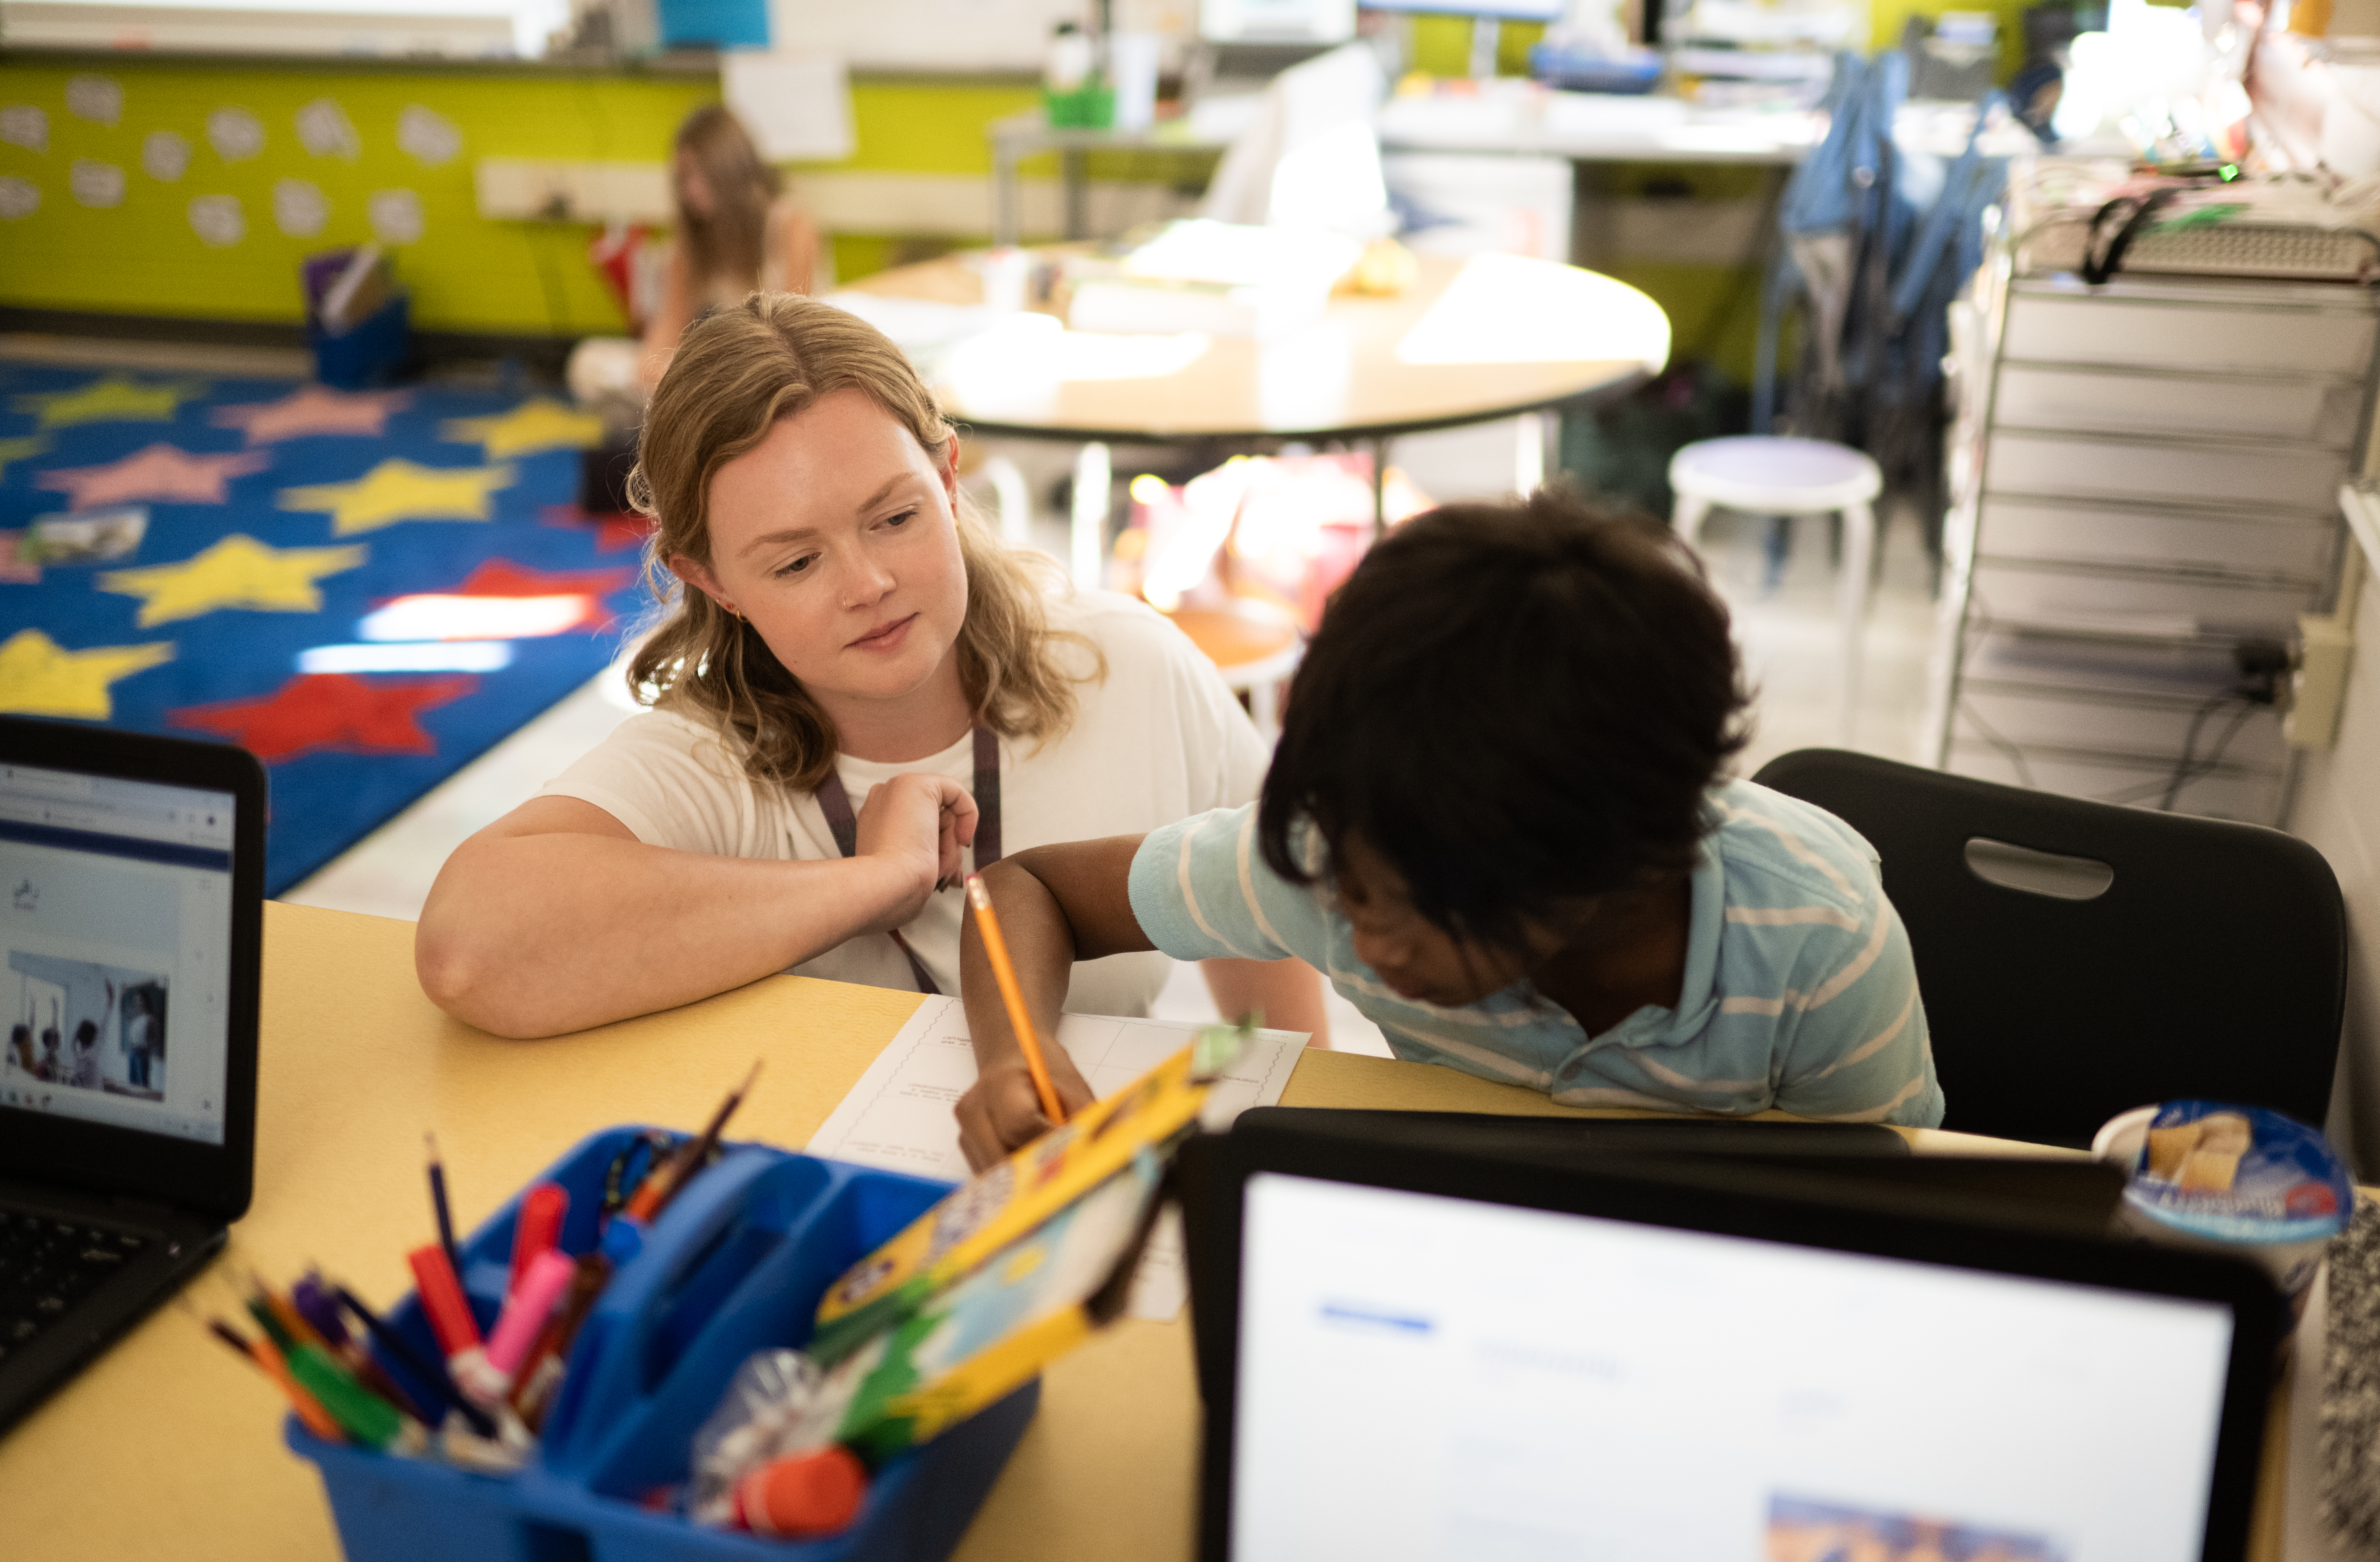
(1094, 477)
(1859, 547)
(1529, 453)
(1016, 501)
(1007, 222)
(1379, 487)
(1078, 222)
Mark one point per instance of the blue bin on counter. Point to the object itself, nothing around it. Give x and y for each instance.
(737, 1263)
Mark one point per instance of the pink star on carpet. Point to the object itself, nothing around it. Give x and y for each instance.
(313, 409)
(159, 472)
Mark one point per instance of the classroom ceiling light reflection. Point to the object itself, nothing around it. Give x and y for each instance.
(431, 616)
(1507, 308)
(434, 657)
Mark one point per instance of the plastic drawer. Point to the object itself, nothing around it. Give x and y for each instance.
(2282, 547)
(2195, 337)
(2222, 794)
(2264, 476)
(735, 1265)
(2009, 592)
(2144, 726)
(2324, 412)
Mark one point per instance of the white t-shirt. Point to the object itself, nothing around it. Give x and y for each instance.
(1158, 739)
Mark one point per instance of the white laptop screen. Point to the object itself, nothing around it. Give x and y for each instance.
(1428, 1377)
(115, 920)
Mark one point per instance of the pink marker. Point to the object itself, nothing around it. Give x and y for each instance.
(532, 1302)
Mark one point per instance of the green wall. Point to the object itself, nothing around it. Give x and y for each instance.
(143, 257)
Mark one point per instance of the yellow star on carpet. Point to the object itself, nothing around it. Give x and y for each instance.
(538, 424)
(17, 449)
(41, 677)
(396, 491)
(114, 399)
(236, 572)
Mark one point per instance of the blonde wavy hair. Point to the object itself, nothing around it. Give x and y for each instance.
(738, 372)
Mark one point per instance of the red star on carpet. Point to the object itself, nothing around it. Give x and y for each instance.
(331, 711)
(501, 577)
(161, 472)
(613, 532)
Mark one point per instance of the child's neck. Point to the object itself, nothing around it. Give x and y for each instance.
(1630, 952)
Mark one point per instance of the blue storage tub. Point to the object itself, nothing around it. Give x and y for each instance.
(373, 352)
(736, 1264)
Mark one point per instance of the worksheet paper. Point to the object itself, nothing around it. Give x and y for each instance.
(900, 1117)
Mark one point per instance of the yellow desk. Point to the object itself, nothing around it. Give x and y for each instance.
(169, 1447)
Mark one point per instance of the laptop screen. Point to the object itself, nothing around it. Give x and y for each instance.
(1425, 1376)
(116, 932)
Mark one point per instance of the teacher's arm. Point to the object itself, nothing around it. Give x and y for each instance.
(1281, 995)
(556, 917)
(1056, 904)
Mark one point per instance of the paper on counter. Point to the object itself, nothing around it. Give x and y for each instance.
(899, 1115)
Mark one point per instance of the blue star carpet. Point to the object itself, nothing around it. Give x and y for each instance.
(366, 590)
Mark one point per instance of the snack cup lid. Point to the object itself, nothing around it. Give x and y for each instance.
(2238, 1173)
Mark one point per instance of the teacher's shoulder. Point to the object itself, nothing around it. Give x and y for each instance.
(1132, 635)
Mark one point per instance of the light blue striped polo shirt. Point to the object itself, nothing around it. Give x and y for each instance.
(1799, 990)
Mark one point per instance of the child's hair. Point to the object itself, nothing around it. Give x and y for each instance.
(1516, 706)
(726, 242)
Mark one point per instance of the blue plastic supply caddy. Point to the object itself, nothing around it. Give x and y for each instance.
(736, 1264)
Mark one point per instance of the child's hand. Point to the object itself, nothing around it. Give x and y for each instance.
(1002, 1110)
(916, 824)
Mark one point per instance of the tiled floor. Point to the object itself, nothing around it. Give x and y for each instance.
(1790, 637)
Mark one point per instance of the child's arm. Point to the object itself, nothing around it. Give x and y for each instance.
(1057, 905)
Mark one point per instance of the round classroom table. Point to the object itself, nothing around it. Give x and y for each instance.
(1470, 341)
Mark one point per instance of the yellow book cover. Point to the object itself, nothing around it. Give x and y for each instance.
(999, 1204)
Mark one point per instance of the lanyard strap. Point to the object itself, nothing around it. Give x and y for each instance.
(835, 803)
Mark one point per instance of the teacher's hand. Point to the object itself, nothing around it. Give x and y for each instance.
(1001, 1111)
(916, 824)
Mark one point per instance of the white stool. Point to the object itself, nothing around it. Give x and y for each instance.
(1765, 474)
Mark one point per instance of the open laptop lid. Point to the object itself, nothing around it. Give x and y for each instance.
(131, 924)
(1441, 1356)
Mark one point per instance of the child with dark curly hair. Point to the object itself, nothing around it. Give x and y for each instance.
(1498, 821)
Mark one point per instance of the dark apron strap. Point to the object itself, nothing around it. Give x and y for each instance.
(835, 803)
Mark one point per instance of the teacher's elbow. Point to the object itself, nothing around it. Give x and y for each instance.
(478, 985)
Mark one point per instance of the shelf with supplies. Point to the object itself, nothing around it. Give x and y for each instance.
(2145, 499)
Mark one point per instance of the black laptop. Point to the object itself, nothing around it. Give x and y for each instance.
(131, 910)
(1422, 1353)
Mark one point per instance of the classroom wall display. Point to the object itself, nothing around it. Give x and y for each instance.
(232, 174)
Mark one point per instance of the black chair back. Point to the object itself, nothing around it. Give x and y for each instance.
(2077, 958)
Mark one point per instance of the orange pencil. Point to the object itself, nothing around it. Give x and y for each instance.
(996, 947)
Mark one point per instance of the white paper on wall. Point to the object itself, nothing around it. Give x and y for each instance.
(299, 208)
(23, 125)
(395, 216)
(217, 220)
(95, 184)
(236, 134)
(98, 98)
(324, 131)
(166, 155)
(796, 102)
(427, 136)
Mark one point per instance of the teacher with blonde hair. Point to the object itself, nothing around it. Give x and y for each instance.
(858, 696)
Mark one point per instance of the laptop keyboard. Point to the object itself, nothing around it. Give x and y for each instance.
(46, 1265)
